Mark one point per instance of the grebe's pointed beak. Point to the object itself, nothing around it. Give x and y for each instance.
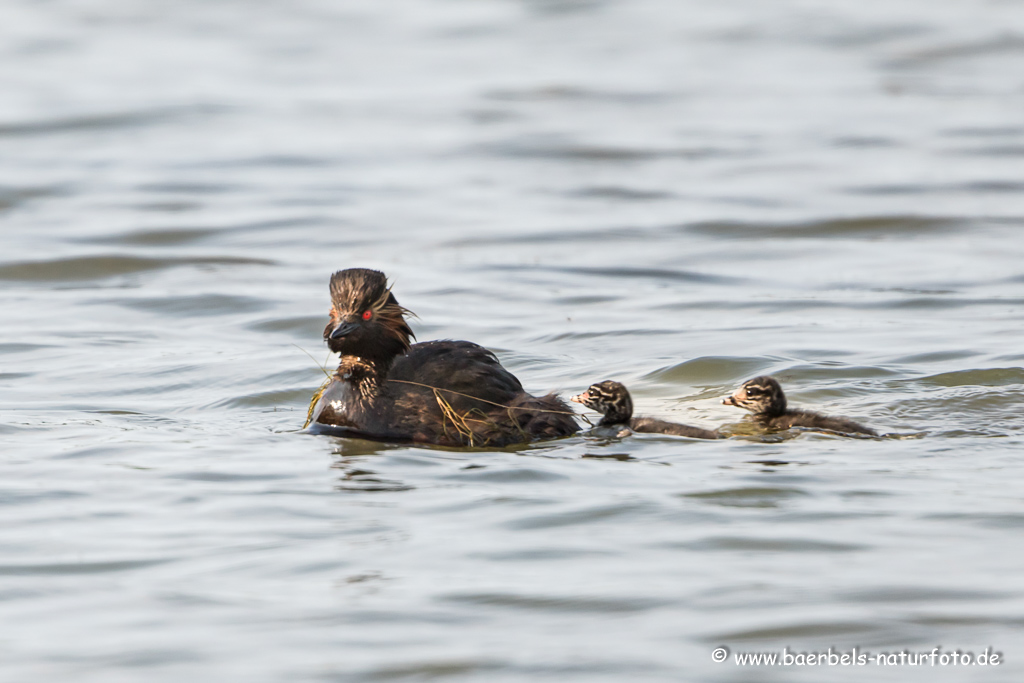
(345, 327)
(580, 398)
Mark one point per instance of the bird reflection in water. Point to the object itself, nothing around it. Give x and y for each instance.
(352, 458)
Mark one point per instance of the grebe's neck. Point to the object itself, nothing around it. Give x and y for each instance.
(364, 375)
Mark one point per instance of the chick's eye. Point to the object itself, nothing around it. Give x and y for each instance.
(367, 314)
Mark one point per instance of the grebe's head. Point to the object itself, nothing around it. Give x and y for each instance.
(366, 319)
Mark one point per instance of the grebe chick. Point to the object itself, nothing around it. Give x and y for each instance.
(763, 396)
(449, 393)
(613, 401)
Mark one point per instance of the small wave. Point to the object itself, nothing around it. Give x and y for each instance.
(976, 187)
(593, 153)
(98, 267)
(987, 520)
(187, 188)
(808, 629)
(710, 370)
(93, 122)
(304, 326)
(988, 377)
(536, 603)
(921, 594)
(617, 193)
(583, 516)
(12, 197)
(568, 93)
(75, 568)
(196, 305)
(17, 347)
(157, 238)
(628, 273)
(748, 497)
(762, 545)
(931, 56)
(833, 227)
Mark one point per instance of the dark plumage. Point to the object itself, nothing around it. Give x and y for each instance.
(613, 401)
(450, 393)
(763, 396)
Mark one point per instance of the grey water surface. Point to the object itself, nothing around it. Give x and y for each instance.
(675, 195)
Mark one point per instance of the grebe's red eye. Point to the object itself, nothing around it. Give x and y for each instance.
(367, 314)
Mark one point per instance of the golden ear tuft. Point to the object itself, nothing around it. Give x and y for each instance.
(382, 300)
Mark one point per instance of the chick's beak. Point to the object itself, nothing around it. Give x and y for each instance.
(735, 399)
(580, 398)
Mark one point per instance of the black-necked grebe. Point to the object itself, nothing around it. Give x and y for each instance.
(449, 393)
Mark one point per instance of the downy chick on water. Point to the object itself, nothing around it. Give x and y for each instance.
(764, 398)
(613, 401)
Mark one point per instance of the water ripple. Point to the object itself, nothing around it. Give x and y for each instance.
(536, 603)
(76, 568)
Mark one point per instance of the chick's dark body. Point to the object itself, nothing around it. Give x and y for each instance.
(449, 393)
(810, 420)
(651, 425)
